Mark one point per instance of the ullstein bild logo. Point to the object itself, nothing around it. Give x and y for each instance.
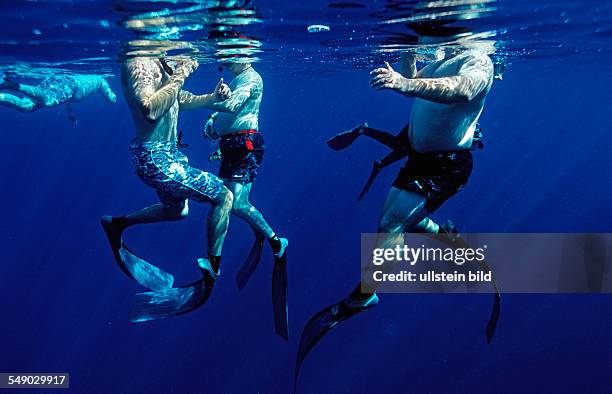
(482, 263)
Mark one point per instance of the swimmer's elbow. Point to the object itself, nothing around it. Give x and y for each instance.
(148, 112)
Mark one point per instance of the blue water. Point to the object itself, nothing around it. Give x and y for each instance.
(65, 304)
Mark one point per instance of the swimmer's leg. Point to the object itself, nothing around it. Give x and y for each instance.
(32, 91)
(246, 211)
(218, 222)
(402, 211)
(40, 95)
(24, 104)
(178, 301)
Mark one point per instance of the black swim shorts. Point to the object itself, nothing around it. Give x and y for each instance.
(437, 176)
(241, 156)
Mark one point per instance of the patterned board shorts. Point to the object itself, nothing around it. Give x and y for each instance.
(57, 89)
(163, 167)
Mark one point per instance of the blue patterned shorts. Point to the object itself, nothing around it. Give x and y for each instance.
(163, 167)
(57, 89)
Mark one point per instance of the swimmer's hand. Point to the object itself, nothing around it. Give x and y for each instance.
(216, 155)
(386, 78)
(185, 66)
(209, 129)
(112, 97)
(222, 91)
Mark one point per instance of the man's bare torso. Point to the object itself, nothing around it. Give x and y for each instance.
(448, 127)
(148, 75)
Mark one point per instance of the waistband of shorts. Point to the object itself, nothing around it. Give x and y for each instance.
(241, 132)
(137, 144)
(440, 154)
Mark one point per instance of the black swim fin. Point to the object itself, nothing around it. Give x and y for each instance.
(154, 305)
(377, 166)
(454, 239)
(319, 325)
(345, 139)
(250, 264)
(375, 170)
(279, 297)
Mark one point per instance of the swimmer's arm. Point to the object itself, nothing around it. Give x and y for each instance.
(238, 97)
(408, 67)
(106, 91)
(474, 77)
(190, 101)
(154, 102)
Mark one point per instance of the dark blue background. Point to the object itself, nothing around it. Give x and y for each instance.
(65, 304)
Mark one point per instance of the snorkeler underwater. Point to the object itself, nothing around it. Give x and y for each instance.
(260, 196)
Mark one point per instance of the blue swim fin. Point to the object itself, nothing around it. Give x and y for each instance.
(154, 305)
(322, 323)
(279, 296)
(142, 272)
(251, 263)
(133, 266)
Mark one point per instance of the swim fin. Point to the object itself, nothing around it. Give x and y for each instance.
(154, 305)
(454, 239)
(345, 139)
(377, 166)
(279, 296)
(375, 170)
(251, 263)
(144, 273)
(323, 322)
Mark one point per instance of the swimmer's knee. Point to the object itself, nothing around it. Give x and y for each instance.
(241, 208)
(225, 198)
